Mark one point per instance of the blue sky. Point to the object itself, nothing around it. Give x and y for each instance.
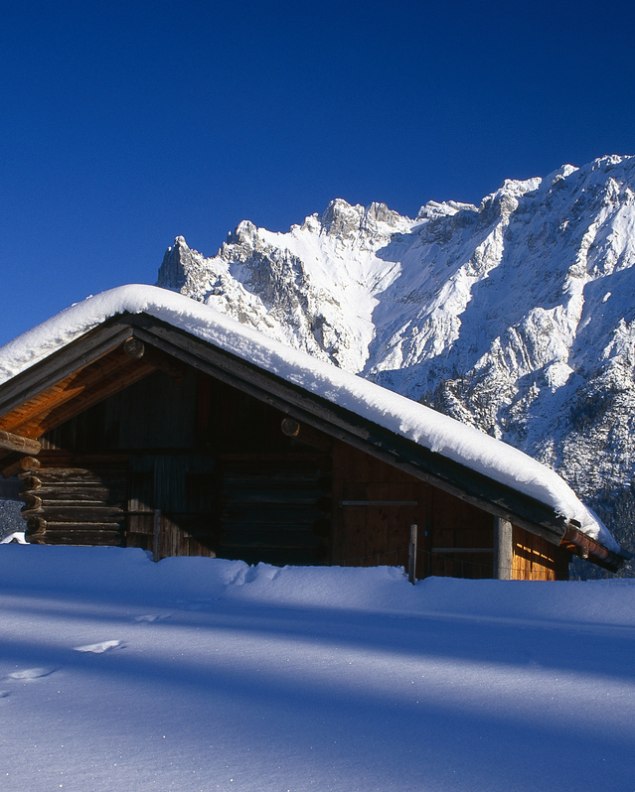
(126, 123)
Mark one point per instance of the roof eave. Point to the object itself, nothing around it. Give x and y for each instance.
(578, 543)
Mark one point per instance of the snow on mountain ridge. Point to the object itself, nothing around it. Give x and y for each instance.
(516, 316)
(303, 285)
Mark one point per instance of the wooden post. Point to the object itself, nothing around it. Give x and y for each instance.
(156, 536)
(412, 554)
(503, 551)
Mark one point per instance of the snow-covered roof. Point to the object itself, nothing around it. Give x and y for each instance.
(402, 416)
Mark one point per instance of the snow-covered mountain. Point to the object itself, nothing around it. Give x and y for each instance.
(516, 316)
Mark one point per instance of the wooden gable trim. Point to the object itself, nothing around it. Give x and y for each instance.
(106, 373)
(76, 393)
(68, 360)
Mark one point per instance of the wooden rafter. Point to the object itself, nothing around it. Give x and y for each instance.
(76, 392)
(77, 355)
(14, 442)
(574, 541)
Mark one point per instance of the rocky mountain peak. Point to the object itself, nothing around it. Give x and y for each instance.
(341, 219)
(380, 213)
(175, 262)
(434, 209)
(245, 233)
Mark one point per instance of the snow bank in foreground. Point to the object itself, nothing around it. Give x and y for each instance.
(402, 416)
(116, 573)
(194, 675)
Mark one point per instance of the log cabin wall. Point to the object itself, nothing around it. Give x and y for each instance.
(182, 466)
(66, 503)
(179, 463)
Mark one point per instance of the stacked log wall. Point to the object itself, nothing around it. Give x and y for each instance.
(73, 505)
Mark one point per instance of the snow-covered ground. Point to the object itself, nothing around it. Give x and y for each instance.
(197, 674)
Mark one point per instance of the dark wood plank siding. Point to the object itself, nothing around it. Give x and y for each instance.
(461, 538)
(158, 412)
(375, 504)
(275, 508)
(206, 470)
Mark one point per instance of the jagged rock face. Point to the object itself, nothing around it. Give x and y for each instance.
(304, 287)
(517, 316)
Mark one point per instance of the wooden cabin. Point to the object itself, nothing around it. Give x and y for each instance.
(140, 433)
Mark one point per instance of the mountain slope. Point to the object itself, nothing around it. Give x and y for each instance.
(516, 316)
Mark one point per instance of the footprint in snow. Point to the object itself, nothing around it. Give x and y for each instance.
(28, 674)
(99, 648)
(149, 618)
(4, 694)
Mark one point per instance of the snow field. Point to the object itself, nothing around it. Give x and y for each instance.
(201, 674)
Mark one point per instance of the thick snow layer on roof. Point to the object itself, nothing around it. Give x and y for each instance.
(396, 413)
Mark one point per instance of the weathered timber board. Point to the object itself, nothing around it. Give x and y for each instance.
(103, 538)
(14, 442)
(291, 497)
(535, 559)
(272, 514)
(73, 476)
(79, 494)
(82, 513)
